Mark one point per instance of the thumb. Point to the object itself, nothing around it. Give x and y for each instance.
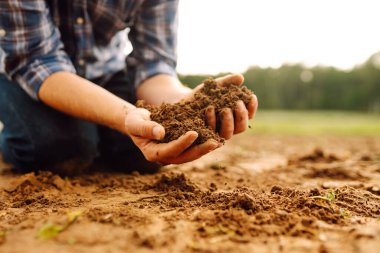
(235, 79)
(147, 129)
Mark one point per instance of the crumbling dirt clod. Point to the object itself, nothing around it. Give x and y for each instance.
(184, 116)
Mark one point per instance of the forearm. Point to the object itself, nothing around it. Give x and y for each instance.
(78, 97)
(162, 88)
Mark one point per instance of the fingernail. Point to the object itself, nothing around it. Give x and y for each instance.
(157, 132)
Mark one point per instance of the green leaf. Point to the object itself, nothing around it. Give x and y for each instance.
(73, 216)
(49, 231)
(330, 196)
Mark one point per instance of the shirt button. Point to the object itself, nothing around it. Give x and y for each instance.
(80, 21)
(2, 33)
(81, 62)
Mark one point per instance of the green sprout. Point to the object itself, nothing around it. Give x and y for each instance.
(330, 196)
(51, 230)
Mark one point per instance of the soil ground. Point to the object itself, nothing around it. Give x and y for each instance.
(258, 193)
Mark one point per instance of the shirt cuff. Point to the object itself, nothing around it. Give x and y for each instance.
(150, 69)
(38, 71)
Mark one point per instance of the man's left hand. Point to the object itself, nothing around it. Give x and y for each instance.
(233, 120)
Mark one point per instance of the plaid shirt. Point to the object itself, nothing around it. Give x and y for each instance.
(40, 37)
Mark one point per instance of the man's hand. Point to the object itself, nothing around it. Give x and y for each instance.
(145, 134)
(235, 120)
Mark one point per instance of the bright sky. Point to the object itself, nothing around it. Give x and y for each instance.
(231, 35)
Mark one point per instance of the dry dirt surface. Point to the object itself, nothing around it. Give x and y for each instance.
(259, 193)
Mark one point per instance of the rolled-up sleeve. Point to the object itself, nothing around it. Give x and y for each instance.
(154, 40)
(32, 44)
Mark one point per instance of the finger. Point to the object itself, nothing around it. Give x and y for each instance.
(241, 117)
(147, 129)
(176, 147)
(195, 152)
(211, 118)
(235, 79)
(252, 106)
(227, 125)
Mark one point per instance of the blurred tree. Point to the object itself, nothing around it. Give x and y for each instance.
(301, 88)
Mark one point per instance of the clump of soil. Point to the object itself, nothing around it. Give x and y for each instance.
(318, 155)
(338, 173)
(32, 182)
(174, 182)
(185, 116)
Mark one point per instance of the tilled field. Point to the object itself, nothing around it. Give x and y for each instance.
(259, 193)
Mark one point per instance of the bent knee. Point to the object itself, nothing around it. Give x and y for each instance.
(57, 154)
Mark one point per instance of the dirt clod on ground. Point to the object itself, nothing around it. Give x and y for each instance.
(185, 116)
(173, 182)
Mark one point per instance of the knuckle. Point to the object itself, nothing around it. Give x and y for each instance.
(230, 127)
(146, 130)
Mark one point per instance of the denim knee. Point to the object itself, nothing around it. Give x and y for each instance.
(36, 136)
(66, 154)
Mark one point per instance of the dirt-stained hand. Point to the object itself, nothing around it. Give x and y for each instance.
(233, 120)
(145, 133)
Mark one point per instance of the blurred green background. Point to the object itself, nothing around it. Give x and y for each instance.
(318, 100)
(316, 122)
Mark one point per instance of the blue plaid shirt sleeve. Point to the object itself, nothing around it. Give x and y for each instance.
(154, 39)
(32, 45)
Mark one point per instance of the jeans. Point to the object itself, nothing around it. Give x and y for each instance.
(37, 137)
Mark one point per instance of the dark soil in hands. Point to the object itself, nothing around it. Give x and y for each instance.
(179, 118)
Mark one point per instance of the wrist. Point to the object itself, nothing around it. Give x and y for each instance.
(179, 94)
(162, 89)
(126, 109)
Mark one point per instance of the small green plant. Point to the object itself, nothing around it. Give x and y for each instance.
(51, 230)
(330, 196)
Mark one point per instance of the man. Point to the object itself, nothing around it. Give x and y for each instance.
(67, 97)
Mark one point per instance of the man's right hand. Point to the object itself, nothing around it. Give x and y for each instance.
(145, 133)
